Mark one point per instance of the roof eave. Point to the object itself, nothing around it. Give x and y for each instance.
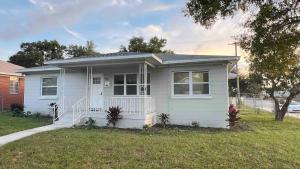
(228, 59)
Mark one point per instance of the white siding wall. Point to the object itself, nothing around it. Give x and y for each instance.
(74, 90)
(209, 112)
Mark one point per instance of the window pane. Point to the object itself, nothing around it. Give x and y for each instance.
(118, 90)
(200, 89)
(181, 77)
(181, 89)
(49, 81)
(131, 79)
(97, 80)
(200, 76)
(119, 79)
(131, 90)
(49, 91)
(148, 89)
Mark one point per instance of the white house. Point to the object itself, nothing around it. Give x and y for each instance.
(188, 87)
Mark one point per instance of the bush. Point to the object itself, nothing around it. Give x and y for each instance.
(37, 115)
(90, 123)
(17, 113)
(27, 114)
(15, 106)
(164, 119)
(195, 124)
(233, 117)
(113, 115)
(146, 126)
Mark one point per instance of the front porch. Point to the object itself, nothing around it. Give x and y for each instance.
(104, 88)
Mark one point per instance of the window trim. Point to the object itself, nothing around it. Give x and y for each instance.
(41, 88)
(190, 83)
(138, 84)
(14, 92)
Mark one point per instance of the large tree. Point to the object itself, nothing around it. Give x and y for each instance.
(35, 53)
(79, 50)
(138, 44)
(272, 39)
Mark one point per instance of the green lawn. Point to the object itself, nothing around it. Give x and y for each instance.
(9, 124)
(260, 143)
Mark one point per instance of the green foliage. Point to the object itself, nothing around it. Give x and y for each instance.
(248, 84)
(113, 115)
(137, 44)
(90, 123)
(271, 37)
(78, 50)
(164, 119)
(35, 53)
(195, 124)
(15, 106)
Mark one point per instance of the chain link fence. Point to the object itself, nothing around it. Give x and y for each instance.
(257, 102)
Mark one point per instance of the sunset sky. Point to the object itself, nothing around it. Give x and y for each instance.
(110, 24)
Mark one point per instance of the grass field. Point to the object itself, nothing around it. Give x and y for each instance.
(259, 143)
(9, 124)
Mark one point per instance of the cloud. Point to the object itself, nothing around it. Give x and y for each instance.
(74, 34)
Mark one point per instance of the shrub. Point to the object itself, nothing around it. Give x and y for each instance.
(37, 115)
(195, 124)
(17, 113)
(15, 106)
(233, 117)
(146, 126)
(113, 115)
(27, 114)
(164, 119)
(90, 123)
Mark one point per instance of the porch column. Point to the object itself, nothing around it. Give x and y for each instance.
(62, 74)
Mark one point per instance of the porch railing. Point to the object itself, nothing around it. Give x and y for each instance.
(137, 105)
(80, 108)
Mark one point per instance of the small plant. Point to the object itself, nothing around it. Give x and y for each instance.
(164, 119)
(146, 127)
(90, 123)
(37, 115)
(233, 117)
(53, 110)
(195, 124)
(27, 114)
(113, 115)
(17, 113)
(15, 106)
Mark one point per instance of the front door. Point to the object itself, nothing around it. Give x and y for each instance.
(97, 93)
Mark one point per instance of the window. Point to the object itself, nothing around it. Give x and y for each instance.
(191, 83)
(13, 85)
(49, 86)
(128, 84)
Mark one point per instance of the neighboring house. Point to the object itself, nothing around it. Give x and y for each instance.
(11, 85)
(188, 87)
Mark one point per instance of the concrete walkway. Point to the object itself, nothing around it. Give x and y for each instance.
(25, 133)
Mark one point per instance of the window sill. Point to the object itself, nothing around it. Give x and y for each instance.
(192, 97)
(48, 97)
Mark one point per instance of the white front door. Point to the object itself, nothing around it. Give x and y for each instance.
(97, 93)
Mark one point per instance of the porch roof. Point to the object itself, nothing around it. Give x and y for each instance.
(131, 57)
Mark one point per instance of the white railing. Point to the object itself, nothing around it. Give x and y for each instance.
(80, 108)
(136, 105)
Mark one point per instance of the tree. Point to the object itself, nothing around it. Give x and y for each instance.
(78, 50)
(272, 39)
(249, 84)
(35, 53)
(137, 44)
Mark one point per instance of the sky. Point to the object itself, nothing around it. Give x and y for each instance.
(111, 23)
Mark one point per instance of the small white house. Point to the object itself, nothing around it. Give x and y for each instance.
(191, 88)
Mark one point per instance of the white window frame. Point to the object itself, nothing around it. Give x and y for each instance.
(190, 83)
(138, 84)
(41, 89)
(14, 85)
